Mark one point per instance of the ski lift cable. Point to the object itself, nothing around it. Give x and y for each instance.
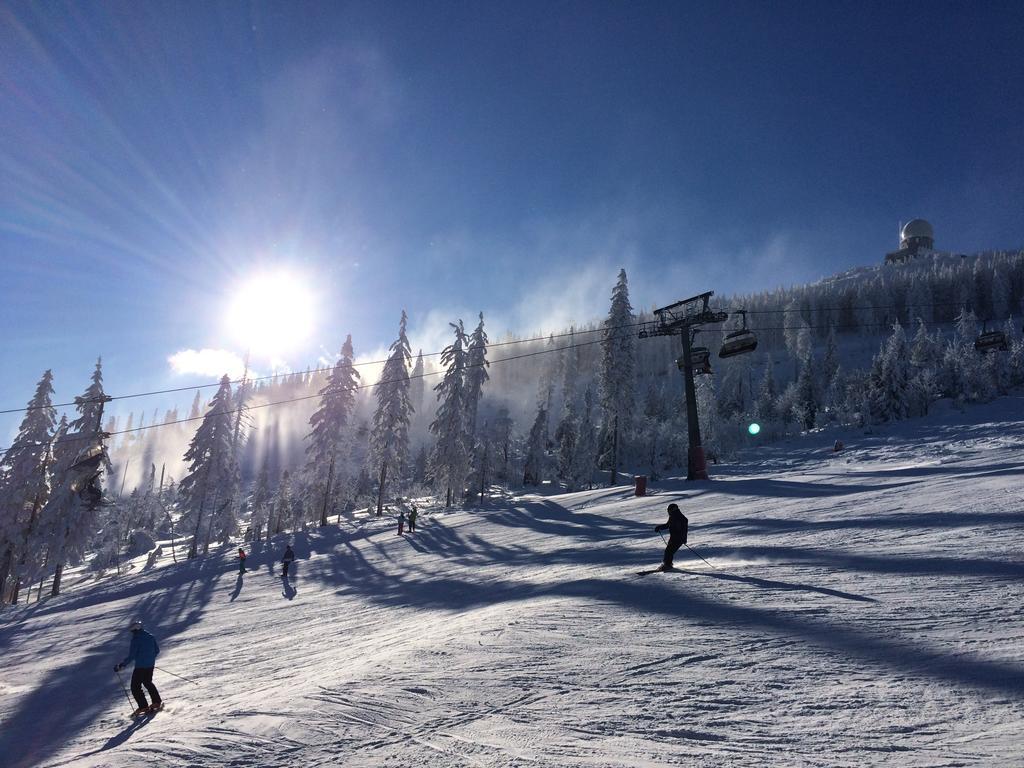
(791, 310)
(420, 376)
(244, 408)
(547, 337)
(323, 369)
(378, 383)
(761, 328)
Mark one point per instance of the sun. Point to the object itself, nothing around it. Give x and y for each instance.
(272, 313)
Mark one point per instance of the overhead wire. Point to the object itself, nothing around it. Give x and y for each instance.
(760, 328)
(534, 339)
(245, 408)
(424, 375)
(545, 337)
(851, 307)
(323, 369)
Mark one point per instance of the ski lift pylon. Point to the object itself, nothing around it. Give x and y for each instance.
(738, 342)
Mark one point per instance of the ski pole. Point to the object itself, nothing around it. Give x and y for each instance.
(123, 688)
(698, 555)
(177, 676)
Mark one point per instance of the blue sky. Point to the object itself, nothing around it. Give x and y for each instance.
(447, 158)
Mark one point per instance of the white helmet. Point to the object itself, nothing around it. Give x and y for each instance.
(136, 625)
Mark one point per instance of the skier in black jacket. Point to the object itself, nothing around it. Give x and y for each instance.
(287, 559)
(677, 526)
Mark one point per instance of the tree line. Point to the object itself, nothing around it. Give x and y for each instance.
(573, 412)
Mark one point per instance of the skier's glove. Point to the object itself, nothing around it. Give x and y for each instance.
(118, 667)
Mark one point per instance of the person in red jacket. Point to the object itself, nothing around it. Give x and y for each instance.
(677, 527)
(241, 560)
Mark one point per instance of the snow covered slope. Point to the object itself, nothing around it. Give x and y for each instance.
(865, 608)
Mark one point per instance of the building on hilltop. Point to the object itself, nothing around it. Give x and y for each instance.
(916, 239)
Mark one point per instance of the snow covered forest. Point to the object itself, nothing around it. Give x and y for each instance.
(578, 407)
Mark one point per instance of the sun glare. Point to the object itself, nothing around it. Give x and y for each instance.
(272, 313)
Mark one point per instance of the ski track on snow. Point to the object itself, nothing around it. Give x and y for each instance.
(863, 608)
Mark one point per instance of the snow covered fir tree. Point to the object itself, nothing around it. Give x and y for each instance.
(389, 439)
(329, 442)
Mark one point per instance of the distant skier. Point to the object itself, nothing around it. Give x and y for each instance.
(143, 651)
(401, 521)
(413, 514)
(287, 559)
(241, 560)
(677, 527)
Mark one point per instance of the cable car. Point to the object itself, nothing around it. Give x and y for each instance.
(85, 472)
(89, 459)
(991, 340)
(738, 342)
(700, 359)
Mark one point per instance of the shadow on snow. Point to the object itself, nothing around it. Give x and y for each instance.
(422, 589)
(70, 698)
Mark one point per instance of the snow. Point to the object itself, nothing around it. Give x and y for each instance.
(864, 608)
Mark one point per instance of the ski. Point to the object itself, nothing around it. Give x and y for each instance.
(148, 712)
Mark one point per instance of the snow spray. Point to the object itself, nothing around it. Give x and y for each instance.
(689, 548)
(698, 555)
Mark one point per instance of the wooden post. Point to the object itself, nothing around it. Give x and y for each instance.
(380, 490)
(327, 493)
(483, 467)
(167, 513)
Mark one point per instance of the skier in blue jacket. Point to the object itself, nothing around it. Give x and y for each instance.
(143, 651)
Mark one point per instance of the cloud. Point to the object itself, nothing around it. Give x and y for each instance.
(575, 295)
(550, 273)
(207, 362)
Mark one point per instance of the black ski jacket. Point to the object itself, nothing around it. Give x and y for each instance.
(677, 526)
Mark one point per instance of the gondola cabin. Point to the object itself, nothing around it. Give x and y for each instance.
(89, 458)
(700, 359)
(85, 471)
(992, 341)
(738, 343)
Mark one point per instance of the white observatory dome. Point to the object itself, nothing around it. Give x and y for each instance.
(917, 228)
